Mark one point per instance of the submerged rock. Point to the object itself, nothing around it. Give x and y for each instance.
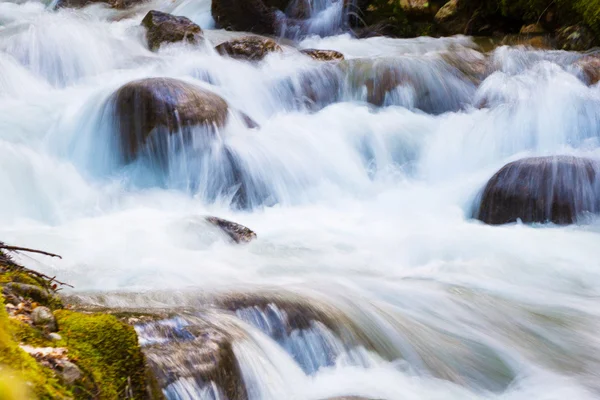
(194, 352)
(323, 55)
(238, 233)
(166, 28)
(170, 104)
(251, 48)
(544, 189)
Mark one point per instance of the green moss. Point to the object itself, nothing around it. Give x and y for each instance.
(590, 12)
(24, 333)
(19, 277)
(43, 382)
(107, 351)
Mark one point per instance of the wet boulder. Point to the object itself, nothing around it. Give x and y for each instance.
(590, 68)
(166, 28)
(238, 233)
(163, 107)
(250, 48)
(323, 55)
(195, 353)
(256, 16)
(554, 189)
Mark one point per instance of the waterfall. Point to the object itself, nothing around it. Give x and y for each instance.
(370, 276)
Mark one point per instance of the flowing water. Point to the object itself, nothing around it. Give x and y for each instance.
(369, 276)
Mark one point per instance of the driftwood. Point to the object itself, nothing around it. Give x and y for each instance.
(7, 260)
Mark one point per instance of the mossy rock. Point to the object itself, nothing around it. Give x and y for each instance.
(42, 382)
(107, 351)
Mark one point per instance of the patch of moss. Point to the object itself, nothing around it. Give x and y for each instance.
(19, 277)
(590, 12)
(43, 381)
(25, 333)
(108, 353)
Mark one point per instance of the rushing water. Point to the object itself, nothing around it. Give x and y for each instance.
(362, 211)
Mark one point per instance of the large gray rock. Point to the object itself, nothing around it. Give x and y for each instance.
(542, 189)
(165, 28)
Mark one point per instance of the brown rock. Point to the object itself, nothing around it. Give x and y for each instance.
(533, 29)
(238, 233)
(169, 104)
(590, 66)
(542, 189)
(251, 48)
(323, 55)
(166, 28)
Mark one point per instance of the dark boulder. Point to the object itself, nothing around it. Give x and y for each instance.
(323, 55)
(166, 28)
(543, 189)
(255, 16)
(169, 104)
(238, 233)
(251, 48)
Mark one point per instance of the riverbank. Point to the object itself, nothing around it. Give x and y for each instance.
(58, 353)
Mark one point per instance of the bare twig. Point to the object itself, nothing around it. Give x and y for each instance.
(50, 281)
(25, 249)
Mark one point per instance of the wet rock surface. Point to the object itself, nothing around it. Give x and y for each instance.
(165, 28)
(590, 67)
(249, 48)
(238, 233)
(323, 55)
(168, 104)
(555, 189)
(194, 352)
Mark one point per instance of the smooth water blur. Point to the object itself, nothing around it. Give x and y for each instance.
(362, 179)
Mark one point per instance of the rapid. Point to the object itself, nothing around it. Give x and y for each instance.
(369, 277)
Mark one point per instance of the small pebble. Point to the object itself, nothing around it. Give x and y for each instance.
(54, 336)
